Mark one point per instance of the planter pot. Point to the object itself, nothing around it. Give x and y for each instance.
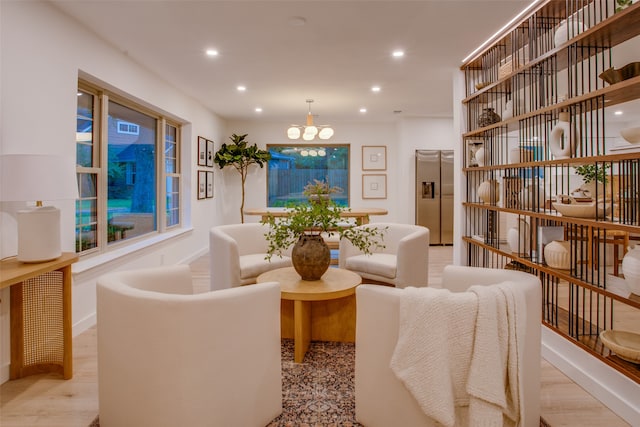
(557, 254)
(311, 257)
(631, 269)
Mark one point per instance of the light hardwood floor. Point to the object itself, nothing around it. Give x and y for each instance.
(46, 400)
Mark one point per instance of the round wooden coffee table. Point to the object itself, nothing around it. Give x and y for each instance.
(321, 310)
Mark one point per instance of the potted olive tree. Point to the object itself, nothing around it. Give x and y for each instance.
(241, 155)
(305, 227)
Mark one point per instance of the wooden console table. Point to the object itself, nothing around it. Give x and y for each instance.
(40, 315)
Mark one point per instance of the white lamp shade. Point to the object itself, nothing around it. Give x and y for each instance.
(325, 133)
(307, 136)
(311, 130)
(37, 177)
(293, 132)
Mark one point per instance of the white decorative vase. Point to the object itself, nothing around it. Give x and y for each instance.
(480, 156)
(631, 269)
(519, 237)
(507, 113)
(489, 191)
(560, 143)
(563, 34)
(529, 199)
(557, 254)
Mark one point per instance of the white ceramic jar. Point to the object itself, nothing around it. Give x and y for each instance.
(489, 191)
(631, 269)
(519, 237)
(557, 254)
(480, 156)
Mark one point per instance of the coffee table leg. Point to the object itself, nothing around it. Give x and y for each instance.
(302, 329)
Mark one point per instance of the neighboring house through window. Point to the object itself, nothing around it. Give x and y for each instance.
(123, 153)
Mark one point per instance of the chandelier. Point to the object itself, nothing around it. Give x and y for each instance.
(310, 131)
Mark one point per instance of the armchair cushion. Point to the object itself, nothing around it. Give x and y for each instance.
(379, 264)
(253, 265)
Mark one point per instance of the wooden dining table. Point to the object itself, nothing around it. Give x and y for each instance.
(361, 215)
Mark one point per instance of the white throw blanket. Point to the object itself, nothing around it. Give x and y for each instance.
(458, 350)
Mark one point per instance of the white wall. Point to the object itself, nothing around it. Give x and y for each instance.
(43, 52)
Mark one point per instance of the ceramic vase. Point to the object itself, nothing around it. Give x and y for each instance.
(507, 113)
(557, 254)
(569, 28)
(519, 237)
(480, 156)
(488, 117)
(311, 257)
(561, 144)
(489, 191)
(631, 269)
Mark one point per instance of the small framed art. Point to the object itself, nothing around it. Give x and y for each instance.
(202, 151)
(374, 157)
(209, 153)
(374, 186)
(202, 185)
(209, 184)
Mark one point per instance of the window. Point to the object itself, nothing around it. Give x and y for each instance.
(118, 177)
(293, 166)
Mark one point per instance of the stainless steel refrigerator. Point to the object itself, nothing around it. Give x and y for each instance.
(434, 194)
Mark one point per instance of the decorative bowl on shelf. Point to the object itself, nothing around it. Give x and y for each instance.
(582, 210)
(631, 135)
(611, 75)
(626, 345)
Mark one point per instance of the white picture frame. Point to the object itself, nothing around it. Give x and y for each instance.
(374, 157)
(374, 186)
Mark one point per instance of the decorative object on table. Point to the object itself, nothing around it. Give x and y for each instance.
(480, 156)
(519, 237)
(307, 225)
(582, 209)
(626, 345)
(488, 117)
(568, 29)
(631, 135)
(489, 191)
(561, 141)
(374, 157)
(557, 254)
(631, 269)
(594, 176)
(374, 186)
(241, 156)
(310, 130)
(28, 178)
(612, 76)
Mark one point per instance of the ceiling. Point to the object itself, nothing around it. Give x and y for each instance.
(285, 52)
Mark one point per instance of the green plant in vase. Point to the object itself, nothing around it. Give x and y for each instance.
(305, 227)
(594, 176)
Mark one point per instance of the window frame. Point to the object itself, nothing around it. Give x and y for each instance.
(100, 167)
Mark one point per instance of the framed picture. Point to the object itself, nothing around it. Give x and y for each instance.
(209, 153)
(209, 184)
(202, 151)
(374, 186)
(202, 184)
(374, 158)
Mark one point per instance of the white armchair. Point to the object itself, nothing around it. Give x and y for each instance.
(383, 400)
(238, 255)
(167, 357)
(404, 261)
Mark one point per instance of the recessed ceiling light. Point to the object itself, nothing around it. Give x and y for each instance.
(618, 113)
(398, 53)
(258, 109)
(212, 52)
(375, 89)
(363, 110)
(241, 88)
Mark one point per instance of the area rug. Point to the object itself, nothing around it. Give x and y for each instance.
(320, 391)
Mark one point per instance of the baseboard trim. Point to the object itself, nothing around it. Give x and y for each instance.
(616, 391)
